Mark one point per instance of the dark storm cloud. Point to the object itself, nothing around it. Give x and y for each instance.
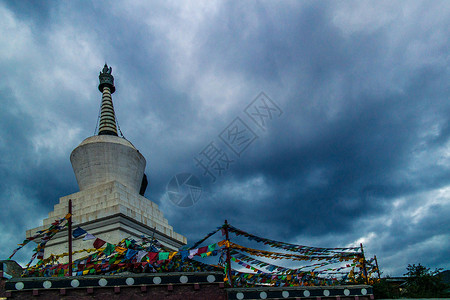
(358, 155)
(27, 187)
(362, 153)
(38, 12)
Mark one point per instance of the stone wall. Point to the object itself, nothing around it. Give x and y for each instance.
(180, 286)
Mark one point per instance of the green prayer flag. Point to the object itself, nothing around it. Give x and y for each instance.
(212, 247)
(109, 249)
(163, 255)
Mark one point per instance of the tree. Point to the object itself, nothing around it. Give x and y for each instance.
(383, 290)
(423, 283)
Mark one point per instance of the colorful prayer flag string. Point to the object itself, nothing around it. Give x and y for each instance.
(46, 234)
(291, 247)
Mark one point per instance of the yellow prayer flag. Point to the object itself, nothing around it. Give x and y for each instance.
(120, 250)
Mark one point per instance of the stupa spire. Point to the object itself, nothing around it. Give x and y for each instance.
(107, 124)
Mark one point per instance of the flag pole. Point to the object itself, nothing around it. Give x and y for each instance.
(70, 237)
(228, 254)
(364, 264)
(378, 269)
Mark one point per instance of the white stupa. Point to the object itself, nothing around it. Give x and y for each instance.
(110, 174)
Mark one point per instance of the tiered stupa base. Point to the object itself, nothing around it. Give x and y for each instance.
(111, 212)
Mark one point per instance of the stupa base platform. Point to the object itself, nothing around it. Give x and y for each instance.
(111, 212)
(111, 229)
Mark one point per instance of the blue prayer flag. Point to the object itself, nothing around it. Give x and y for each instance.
(78, 232)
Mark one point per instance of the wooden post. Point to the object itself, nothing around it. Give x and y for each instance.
(70, 237)
(364, 264)
(230, 279)
(378, 269)
(153, 236)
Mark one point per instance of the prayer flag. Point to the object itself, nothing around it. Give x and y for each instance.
(184, 254)
(130, 253)
(89, 237)
(78, 232)
(152, 257)
(140, 255)
(163, 255)
(109, 249)
(98, 243)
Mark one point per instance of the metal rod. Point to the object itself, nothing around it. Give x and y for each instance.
(364, 264)
(70, 237)
(378, 269)
(228, 254)
(153, 236)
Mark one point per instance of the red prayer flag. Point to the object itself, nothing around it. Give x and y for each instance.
(152, 256)
(202, 250)
(98, 243)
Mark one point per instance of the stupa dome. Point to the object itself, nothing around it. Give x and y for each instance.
(103, 158)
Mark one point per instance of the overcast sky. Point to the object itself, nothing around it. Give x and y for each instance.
(358, 151)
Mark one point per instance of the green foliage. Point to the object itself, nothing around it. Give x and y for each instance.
(383, 290)
(423, 283)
